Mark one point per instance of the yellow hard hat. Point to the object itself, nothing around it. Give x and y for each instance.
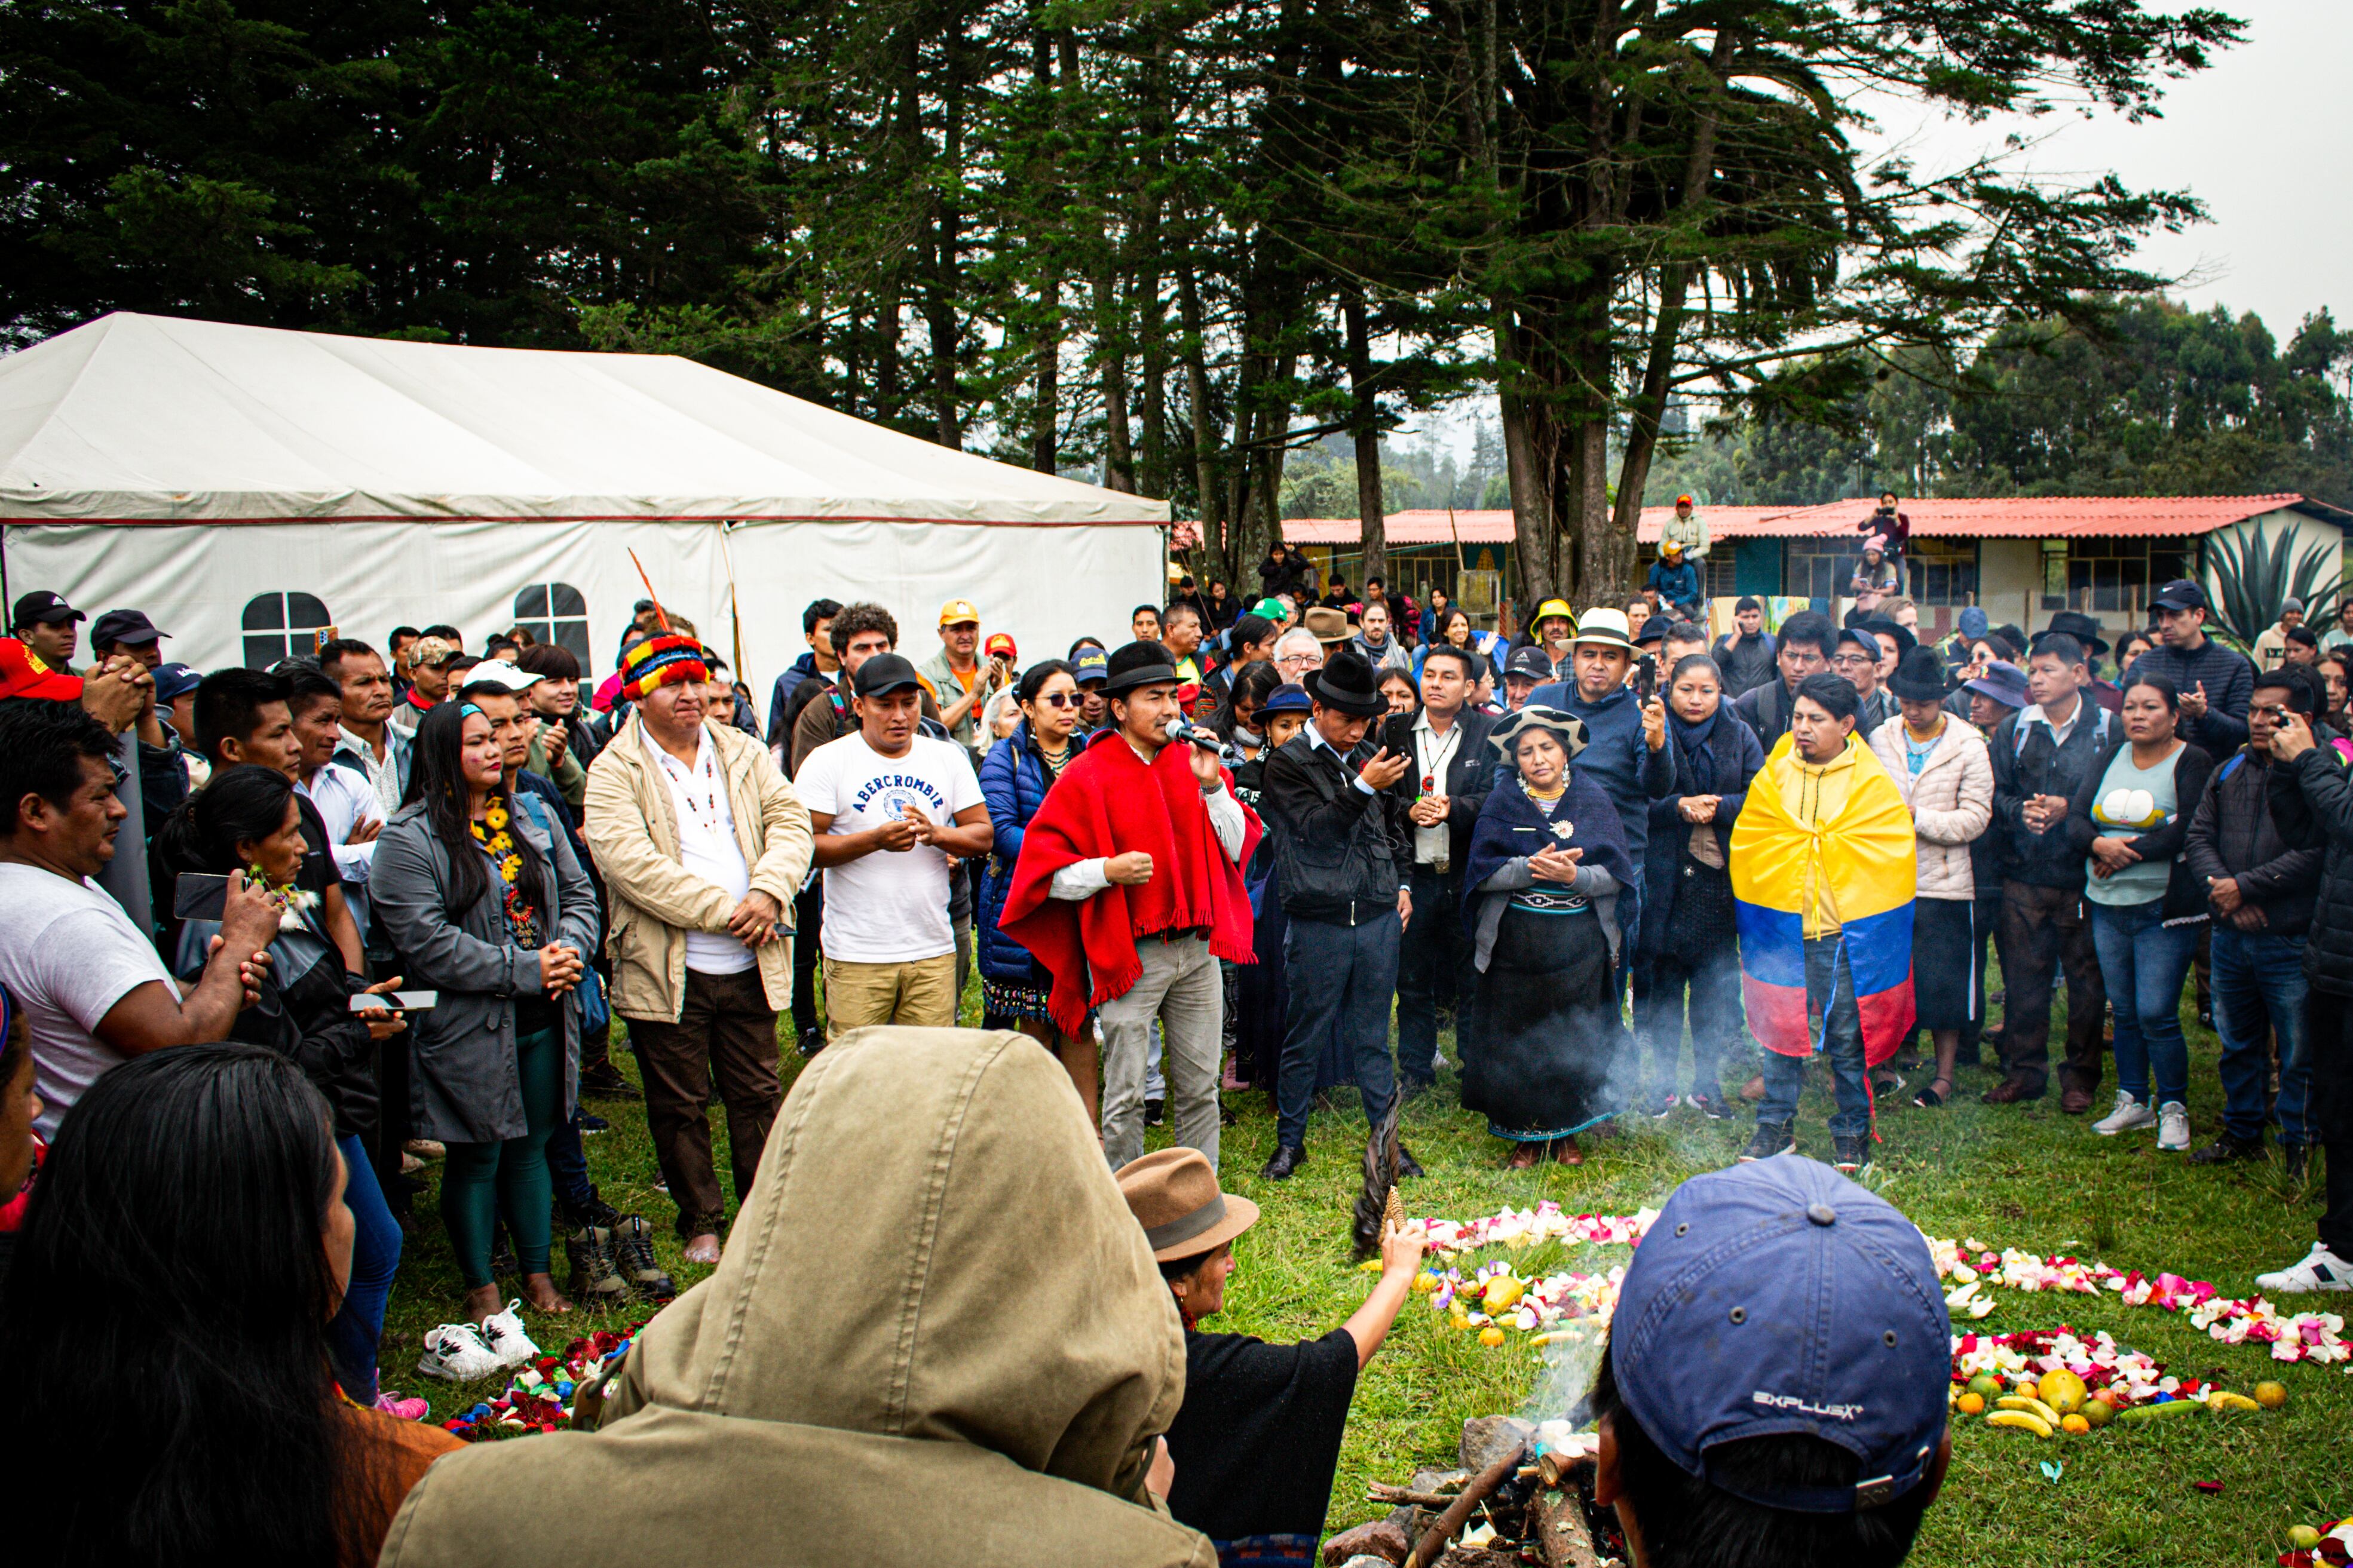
(1551, 607)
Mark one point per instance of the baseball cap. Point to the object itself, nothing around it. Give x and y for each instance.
(1530, 662)
(434, 652)
(497, 672)
(958, 612)
(1092, 664)
(131, 626)
(1778, 1296)
(24, 674)
(886, 672)
(1683, 500)
(174, 681)
(2182, 594)
(41, 607)
(1001, 642)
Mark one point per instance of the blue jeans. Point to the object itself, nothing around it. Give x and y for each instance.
(357, 1327)
(2258, 987)
(1829, 990)
(1342, 980)
(2143, 963)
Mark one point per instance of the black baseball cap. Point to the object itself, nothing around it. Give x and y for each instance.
(885, 672)
(131, 626)
(41, 607)
(2182, 594)
(1530, 663)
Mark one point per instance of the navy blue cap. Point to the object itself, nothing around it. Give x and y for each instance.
(1287, 700)
(1781, 1297)
(1090, 664)
(2182, 594)
(174, 681)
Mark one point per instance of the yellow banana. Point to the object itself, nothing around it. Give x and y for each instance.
(2035, 1407)
(2222, 1400)
(2024, 1420)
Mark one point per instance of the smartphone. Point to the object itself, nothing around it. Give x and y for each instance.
(1397, 734)
(200, 896)
(1646, 678)
(400, 1001)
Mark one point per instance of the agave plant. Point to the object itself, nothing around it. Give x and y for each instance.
(2252, 575)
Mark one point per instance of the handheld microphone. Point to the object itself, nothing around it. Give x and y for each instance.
(1207, 739)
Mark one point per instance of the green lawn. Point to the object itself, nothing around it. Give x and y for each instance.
(2025, 1176)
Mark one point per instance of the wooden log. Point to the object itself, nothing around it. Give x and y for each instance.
(1556, 1521)
(1406, 1497)
(1434, 1540)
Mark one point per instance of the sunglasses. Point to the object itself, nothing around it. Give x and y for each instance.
(1060, 699)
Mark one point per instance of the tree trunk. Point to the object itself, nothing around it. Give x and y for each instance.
(1215, 535)
(947, 241)
(1110, 349)
(1374, 516)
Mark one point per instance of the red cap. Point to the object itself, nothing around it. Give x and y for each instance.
(22, 674)
(1000, 642)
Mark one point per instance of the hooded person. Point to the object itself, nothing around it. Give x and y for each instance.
(977, 1398)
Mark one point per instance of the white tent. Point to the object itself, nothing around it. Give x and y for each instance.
(245, 486)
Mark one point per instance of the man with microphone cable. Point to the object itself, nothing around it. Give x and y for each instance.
(1129, 888)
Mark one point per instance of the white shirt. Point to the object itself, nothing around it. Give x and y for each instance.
(68, 954)
(889, 907)
(706, 846)
(1434, 752)
(345, 801)
(2059, 732)
(384, 776)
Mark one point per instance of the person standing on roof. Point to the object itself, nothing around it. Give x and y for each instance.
(1888, 522)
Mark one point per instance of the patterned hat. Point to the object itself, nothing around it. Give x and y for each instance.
(660, 661)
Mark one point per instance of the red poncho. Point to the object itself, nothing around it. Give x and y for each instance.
(1109, 802)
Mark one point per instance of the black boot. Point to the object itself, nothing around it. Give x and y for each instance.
(1288, 1157)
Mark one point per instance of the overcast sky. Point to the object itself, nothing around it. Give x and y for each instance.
(2263, 136)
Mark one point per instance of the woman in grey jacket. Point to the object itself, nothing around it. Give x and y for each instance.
(487, 908)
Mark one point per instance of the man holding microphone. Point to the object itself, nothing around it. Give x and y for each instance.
(1128, 890)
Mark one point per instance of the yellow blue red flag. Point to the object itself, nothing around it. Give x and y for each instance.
(1866, 855)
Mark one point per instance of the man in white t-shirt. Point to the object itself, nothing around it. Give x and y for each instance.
(702, 846)
(92, 989)
(890, 808)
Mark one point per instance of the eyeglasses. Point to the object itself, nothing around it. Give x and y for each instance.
(1290, 659)
(1855, 661)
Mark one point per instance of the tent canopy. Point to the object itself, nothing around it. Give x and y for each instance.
(134, 418)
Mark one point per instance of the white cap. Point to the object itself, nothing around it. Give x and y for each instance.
(496, 672)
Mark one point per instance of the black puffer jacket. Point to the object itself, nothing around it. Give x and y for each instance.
(1341, 853)
(2232, 836)
(2312, 806)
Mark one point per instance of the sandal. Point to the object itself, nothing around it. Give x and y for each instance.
(1930, 1097)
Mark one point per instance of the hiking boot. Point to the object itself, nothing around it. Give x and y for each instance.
(633, 1258)
(502, 1257)
(1853, 1156)
(1156, 1111)
(1288, 1157)
(2074, 1102)
(2014, 1091)
(1770, 1138)
(2226, 1148)
(604, 1081)
(595, 1211)
(1406, 1164)
(2130, 1115)
(595, 1275)
(811, 1042)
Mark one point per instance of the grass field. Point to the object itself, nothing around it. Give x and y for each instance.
(2021, 1175)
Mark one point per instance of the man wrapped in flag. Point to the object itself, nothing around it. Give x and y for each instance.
(1822, 869)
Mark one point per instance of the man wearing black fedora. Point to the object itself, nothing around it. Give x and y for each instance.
(1344, 852)
(2086, 631)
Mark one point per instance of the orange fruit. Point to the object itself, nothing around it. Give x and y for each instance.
(1491, 1336)
(2074, 1424)
(1970, 1403)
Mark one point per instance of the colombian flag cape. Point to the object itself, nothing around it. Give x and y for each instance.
(1870, 858)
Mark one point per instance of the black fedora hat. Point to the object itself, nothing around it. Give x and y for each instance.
(1138, 664)
(1346, 682)
(2080, 627)
(1920, 677)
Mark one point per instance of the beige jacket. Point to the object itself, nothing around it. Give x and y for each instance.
(936, 1336)
(631, 827)
(1951, 801)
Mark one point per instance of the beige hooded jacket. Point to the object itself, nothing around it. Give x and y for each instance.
(938, 1336)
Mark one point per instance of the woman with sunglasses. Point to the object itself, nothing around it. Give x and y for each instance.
(1014, 779)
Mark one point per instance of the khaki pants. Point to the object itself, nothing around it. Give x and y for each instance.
(922, 993)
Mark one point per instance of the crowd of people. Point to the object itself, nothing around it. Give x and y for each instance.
(374, 909)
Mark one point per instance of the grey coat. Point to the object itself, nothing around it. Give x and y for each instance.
(465, 1083)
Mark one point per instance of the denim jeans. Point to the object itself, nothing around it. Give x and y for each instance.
(2258, 987)
(357, 1327)
(2143, 963)
(1829, 990)
(1342, 980)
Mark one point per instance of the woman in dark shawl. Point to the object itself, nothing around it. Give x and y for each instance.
(1548, 859)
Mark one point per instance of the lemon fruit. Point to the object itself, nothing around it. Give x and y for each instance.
(2271, 1395)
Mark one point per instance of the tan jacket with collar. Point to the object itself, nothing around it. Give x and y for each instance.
(1951, 801)
(631, 827)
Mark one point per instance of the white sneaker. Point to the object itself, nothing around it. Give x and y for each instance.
(2320, 1270)
(2173, 1128)
(502, 1332)
(2130, 1115)
(455, 1353)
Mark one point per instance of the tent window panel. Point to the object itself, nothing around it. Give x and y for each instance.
(279, 625)
(556, 612)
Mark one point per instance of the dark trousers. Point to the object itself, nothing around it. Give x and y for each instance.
(1436, 947)
(1342, 978)
(726, 1030)
(2328, 1038)
(392, 1121)
(808, 922)
(1986, 928)
(1662, 983)
(2043, 929)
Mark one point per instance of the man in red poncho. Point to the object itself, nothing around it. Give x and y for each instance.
(1129, 889)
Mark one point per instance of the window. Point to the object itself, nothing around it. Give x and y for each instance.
(2112, 574)
(556, 612)
(1941, 571)
(279, 625)
(1717, 570)
(1821, 568)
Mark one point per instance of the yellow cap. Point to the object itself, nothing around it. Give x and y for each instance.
(1556, 607)
(956, 611)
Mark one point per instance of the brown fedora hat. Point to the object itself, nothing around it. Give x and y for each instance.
(1173, 1193)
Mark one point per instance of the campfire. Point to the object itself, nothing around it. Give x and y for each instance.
(1523, 1494)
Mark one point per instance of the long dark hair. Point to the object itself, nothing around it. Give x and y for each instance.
(437, 781)
(1258, 680)
(241, 805)
(166, 1317)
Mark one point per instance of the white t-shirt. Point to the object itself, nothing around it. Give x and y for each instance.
(887, 907)
(706, 847)
(68, 954)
